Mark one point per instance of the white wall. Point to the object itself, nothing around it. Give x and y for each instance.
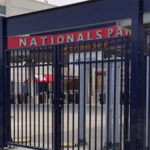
(16, 7)
(127, 22)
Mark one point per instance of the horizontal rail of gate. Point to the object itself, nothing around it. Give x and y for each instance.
(90, 81)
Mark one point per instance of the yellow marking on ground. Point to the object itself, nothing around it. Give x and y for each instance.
(22, 141)
(70, 145)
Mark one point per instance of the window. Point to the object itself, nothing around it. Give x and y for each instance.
(2, 10)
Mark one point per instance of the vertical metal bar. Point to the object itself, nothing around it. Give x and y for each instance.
(68, 97)
(34, 103)
(73, 103)
(90, 99)
(102, 95)
(14, 105)
(79, 66)
(26, 97)
(18, 98)
(30, 94)
(39, 118)
(63, 86)
(84, 99)
(48, 94)
(148, 93)
(147, 89)
(121, 97)
(7, 120)
(126, 98)
(144, 70)
(21, 97)
(53, 86)
(43, 99)
(57, 118)
(137, 101)
(2, 82)
(96, 72)
(108, 64)
(2, 90)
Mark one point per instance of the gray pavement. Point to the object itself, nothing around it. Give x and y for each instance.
(35, 123)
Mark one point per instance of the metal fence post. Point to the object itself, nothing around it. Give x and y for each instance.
(57, 100)
(126, 96)
(7, 98)
(138, 80)
(1, 82)
(3, 45)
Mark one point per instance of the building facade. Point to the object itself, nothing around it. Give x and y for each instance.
(17, 7)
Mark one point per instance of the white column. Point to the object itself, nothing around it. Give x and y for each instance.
(112, 104)
(117, 106)
(93, 84)
(82, 106)
(109, 102)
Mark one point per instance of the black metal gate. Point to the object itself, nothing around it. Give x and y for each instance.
(70, 96)
(32, 96)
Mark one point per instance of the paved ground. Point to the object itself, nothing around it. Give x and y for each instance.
(35, 123)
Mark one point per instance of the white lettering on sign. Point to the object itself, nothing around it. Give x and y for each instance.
(99, 35)
(88, 36)
(33, 42)
(44, 38)
(23, 42)
(52, 40)
(60, 39)
(80, 37)
(92, 34)
(70, 38)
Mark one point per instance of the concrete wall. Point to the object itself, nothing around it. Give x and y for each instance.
(16, 7)
(127, 22)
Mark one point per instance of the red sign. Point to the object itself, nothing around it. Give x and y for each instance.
(92, 34)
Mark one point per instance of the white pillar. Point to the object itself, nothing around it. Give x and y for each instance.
(93, 84)
(110, 114)
(109, 98)
(82, 106)
(117, 106)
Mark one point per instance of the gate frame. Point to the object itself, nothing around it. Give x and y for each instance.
(4, 95)
(19, 25)
(57, 98)
(138, 79)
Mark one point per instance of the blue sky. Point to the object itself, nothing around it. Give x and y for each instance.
(62, 2)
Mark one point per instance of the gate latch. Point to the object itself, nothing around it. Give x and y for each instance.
(61, 102)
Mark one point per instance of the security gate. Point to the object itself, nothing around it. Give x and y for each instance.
(73, 96)
(32, 96)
